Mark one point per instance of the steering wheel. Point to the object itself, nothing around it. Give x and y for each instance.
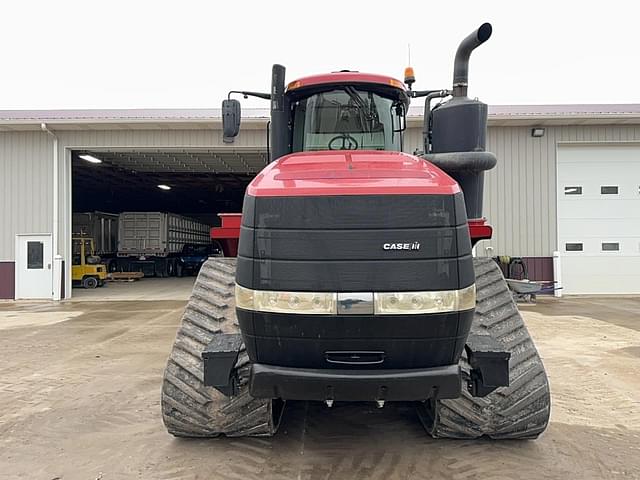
(347, 142)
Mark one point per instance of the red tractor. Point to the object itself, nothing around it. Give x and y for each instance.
(354, 279)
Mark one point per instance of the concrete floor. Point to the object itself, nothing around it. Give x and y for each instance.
(150, 289)
(80, 389)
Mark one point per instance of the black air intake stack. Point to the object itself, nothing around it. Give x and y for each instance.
(279, 128)
(459, 130)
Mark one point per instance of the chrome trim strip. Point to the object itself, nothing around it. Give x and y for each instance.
(360, 303)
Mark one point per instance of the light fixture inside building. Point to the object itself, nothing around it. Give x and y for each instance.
(537, 132)
(90, 158)
(164, 187)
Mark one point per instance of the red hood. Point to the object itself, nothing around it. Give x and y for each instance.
(358, 172)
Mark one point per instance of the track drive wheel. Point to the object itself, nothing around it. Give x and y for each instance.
(519, 411)
(189, 408)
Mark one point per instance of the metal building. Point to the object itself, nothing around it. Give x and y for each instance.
(567, 181)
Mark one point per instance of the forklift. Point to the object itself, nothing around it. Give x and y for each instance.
(86, 269)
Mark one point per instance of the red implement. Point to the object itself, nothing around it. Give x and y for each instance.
(228, 233)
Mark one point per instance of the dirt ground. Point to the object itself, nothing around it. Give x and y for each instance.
(80, 399)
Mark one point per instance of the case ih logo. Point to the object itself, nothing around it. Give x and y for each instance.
(401, 246)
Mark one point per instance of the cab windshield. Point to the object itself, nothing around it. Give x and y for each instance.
(347, 118)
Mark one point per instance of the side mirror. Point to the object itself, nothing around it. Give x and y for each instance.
(230, 120)
(401, 113)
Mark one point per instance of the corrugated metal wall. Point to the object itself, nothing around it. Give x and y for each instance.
(159, 138)
(520, 193)
(519, 196)
(25, 187)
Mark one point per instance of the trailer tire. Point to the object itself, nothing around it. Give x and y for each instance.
(171, 268)
(160, 268)
(519, 411)
(179, 269)
(191, 409)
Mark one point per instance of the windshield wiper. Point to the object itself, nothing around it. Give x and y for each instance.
(355, 96)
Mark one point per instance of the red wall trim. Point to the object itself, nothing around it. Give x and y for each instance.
(7, 280)
(538, 268)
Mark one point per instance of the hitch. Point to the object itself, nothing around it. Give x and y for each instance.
(489, 364)
(219, 358)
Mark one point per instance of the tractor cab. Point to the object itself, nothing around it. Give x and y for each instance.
(336, 111)
(87, 271)
(347, 111)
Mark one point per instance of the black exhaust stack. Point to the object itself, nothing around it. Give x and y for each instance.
(459, 130)
(461, 62)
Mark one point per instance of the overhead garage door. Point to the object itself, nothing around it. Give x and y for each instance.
(599, 218)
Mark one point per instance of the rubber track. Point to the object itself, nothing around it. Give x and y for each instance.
(520, 411)
(189, 409)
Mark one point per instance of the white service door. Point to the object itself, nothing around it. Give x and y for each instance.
(599, 218)
(34, 267)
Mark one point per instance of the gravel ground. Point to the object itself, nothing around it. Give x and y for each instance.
(80, 390)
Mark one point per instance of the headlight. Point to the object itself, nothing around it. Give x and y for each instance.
(398, 303)
(321, 303)
(385, 303)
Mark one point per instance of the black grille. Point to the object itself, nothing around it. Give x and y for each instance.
(355, 243)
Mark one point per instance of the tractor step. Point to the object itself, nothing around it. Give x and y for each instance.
(219, 359)
(489, 364)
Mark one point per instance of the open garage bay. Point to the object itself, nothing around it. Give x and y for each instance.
(80, 399)
(151, 211)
